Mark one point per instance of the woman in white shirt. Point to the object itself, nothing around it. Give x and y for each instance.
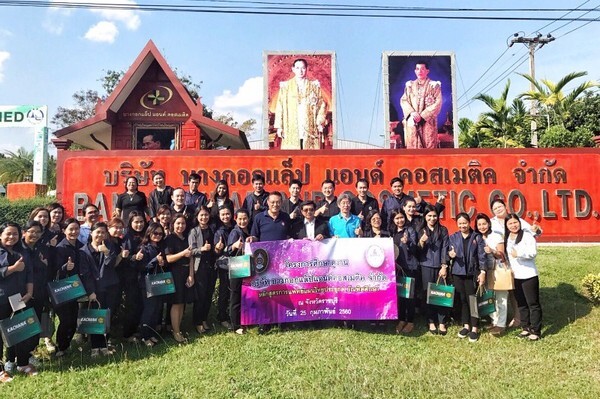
(521, 251)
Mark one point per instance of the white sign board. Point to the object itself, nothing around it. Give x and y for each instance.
(36, 117)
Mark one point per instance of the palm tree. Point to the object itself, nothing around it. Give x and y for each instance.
(505, 124)
(550, 96)
(16, 167)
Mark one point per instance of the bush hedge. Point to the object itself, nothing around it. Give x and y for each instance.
(591, 283)
(18, 211)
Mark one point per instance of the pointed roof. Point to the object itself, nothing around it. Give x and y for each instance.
(86, 132)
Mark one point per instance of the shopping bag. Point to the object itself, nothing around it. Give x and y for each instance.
(93, 321)
(440, 294)
(405, 287)
(501, 278)
(20, 326)
(66, 290)
(240, 266)
(159, 284)
(482, 303)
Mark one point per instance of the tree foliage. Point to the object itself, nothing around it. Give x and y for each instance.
(559, 136)
(248, 126)
(549, 96)
(17, 167)
(506, 124)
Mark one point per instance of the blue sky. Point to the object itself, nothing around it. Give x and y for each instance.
(47, 54)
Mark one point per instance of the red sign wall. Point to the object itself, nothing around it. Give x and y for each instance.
(556, 187)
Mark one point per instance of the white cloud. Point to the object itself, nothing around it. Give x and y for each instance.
(130, 18)
(103, 31)
(100, 32)
(246, 103)
(4, 55)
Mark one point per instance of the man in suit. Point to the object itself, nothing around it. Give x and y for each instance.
(309, 227)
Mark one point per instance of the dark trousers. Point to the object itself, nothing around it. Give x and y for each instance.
(463, 287)
(527, 293)
(224, 294)
(151, 312)
(204, 280)
(235, 301)
(20, 351)
(131, 309)
(67, 318)
(435, 314)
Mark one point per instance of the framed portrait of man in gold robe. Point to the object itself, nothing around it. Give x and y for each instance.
(299, 100)
(419, 100)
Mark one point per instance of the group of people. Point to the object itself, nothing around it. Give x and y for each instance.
(189, 234)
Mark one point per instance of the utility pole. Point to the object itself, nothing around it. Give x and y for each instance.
(532, 43)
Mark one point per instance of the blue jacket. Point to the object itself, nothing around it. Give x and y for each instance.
(470, 260)
(14, 283)
(97, 269)
(407, 254)
(434, 252)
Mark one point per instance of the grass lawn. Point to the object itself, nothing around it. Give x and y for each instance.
(342, 363)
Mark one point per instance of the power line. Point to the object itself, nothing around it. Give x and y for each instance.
(283, 9)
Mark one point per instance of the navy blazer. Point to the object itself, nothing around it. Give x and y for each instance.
(407, 254)
(475, 255)
(434, 252)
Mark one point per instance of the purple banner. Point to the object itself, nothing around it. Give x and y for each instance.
(335, 279)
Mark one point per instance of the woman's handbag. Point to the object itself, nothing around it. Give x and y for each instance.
(501, 278)
(440, 294)
(93, 321)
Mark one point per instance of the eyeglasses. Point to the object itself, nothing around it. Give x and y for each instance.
(308, 210)
(158, 234)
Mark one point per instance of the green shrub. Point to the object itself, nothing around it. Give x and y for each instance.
(558, 136)
(591, 283)
(18, 211)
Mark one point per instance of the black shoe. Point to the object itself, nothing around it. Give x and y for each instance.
(463, 333)
(264, 328)
(473, 336)
(433, 331)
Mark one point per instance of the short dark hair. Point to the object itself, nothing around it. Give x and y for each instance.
(302, 60)
(194, 176)
(295, 181)
(258, 177)
(422, 62)
(308, 203)
(362, 181)
(397, 180)
(275, 193)
(328, 181)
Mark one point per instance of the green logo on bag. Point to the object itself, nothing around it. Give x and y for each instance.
(448, 295)
(168, 281)
(30, 320)
(490, 301)
(75, 284)
(100, 320)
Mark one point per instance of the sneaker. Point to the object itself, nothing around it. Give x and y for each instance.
(524, 334)
(5, 377)
(497, 331)
(28, 370)
(95, 353)
(473, 336)
(35, 362)
(240, 331)
(50, 346)
(10, 367)
(533, 337)
(463, 333)
(227, 325)
(408, 328)
(107, 352)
